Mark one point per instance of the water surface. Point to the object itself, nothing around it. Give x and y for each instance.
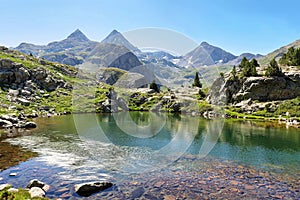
(107, 147)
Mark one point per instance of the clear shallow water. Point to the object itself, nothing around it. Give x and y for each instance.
(103, 147)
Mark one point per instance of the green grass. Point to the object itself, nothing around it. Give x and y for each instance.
(291, 106)
(20, 195)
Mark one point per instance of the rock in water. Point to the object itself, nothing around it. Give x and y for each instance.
(137, 193)
(39, 184)
(30, 125)
(36, 192)
(35, 183)
(87, 189)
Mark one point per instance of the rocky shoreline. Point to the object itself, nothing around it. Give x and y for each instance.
(187, 178)
(38, 189)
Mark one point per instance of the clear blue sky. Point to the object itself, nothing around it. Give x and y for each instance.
(257, 26)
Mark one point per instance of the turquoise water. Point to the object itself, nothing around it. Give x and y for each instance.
(79, 148)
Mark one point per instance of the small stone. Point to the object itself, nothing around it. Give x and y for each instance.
(36, 192)
(169, 197)
(159, 184)
(234, 182)
(134, 183)
(23, 101)
(249, 187)
(13, 174)
(3, 186)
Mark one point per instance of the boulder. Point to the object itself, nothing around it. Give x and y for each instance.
(25, 93)
(227, 90)
(30, 125)
(36, 192)
(21, 75)
(39, 74)
(110, 75)
(131, 80)
(12, 92)
(87, 189)
(5, 123)
(4, 186)
(23, 101)
(39, 184)
(12, 190)
(12, 119)
(35, 183)
(6, 77)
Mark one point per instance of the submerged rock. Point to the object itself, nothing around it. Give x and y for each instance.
(87, 189)
(137, 193)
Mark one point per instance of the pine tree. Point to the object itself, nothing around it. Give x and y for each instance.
(233, 71)
(243, 62)
(154, 86)
(197, 82)
(273, 69)
(249, 68)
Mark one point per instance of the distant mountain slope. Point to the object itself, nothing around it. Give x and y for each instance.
(117, 38)
(74, 43)
(158, 57)
(77, 49)
(205, 55)
(249, 56)
(71, 51)
(278, 52)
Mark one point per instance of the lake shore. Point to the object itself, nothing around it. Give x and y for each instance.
(194, 178)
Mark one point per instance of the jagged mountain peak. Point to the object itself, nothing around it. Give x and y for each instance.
(117, 38)
(114, 32)
(204, 44)
(78, 35)
(206, 54)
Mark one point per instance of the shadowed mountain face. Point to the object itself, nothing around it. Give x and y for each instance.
(77, 49)
(205, 55)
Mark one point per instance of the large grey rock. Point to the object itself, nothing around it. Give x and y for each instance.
(5, 123)
(36, 192)
(30, 125)
(87, 189)
(4, 186)
(110, 75)
(226, 90)
(21, 75)
(39, 73)
(12, 119)
(132, 80)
